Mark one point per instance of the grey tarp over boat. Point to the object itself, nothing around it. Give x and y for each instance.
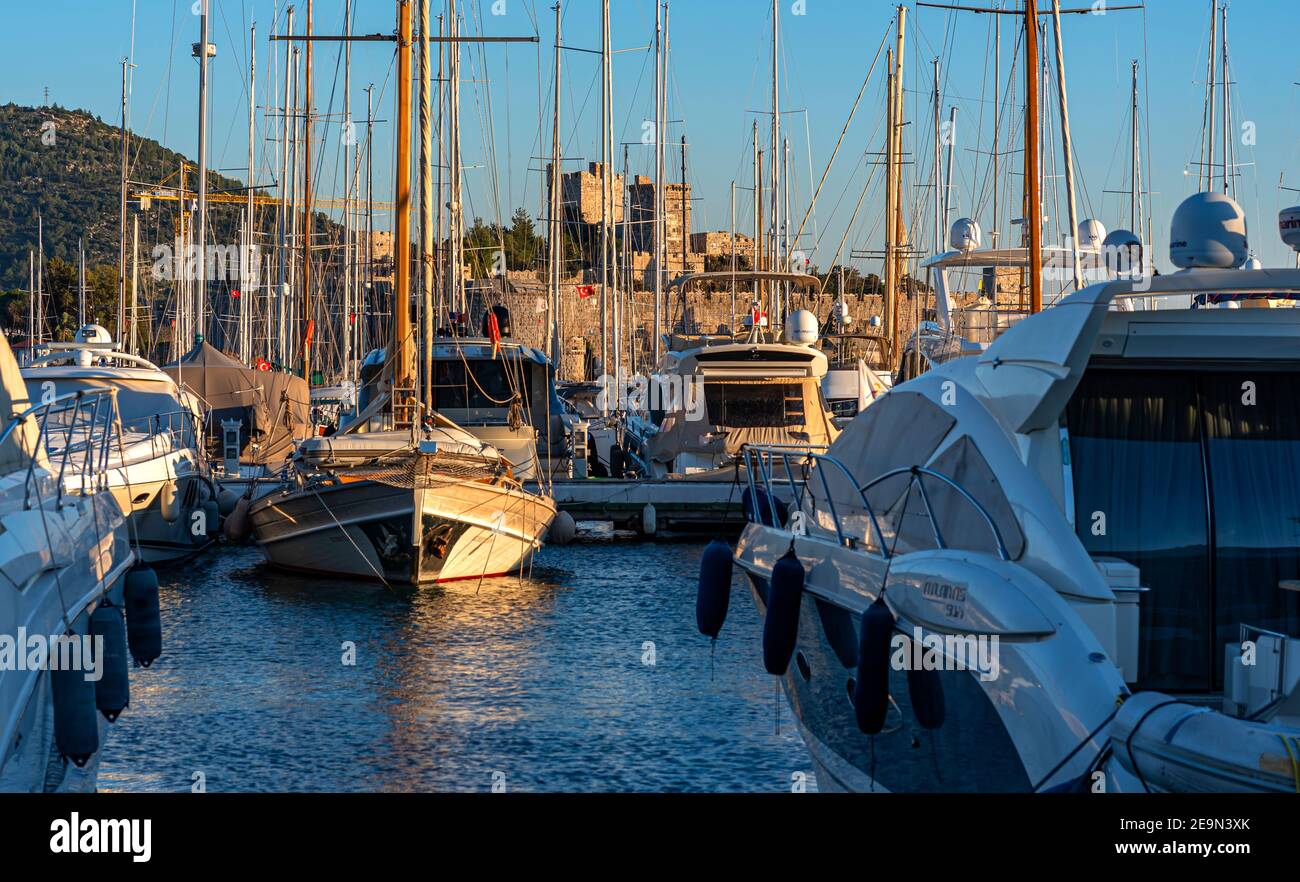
(275, 408)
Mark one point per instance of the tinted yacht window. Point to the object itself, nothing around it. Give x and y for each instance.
(1140, 495)
(1252, 443)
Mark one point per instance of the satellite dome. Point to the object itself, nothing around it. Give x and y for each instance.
(802, 328)
(1091, 233)
(1254, 263)
(965, 234)
(1208, 231)
(1288, 224)
(92, 333)
(1122, 252)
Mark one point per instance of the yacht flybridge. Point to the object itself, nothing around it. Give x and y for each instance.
(155, 469)
(1039, 566)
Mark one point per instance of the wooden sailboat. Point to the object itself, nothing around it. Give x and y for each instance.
(417, 499)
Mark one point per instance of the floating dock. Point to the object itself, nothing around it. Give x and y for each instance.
(677, 505)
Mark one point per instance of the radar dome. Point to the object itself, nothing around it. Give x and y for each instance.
(965, 234)
(1208, 231)
(1254, 263)
(1122, 252)
(1091, 233)
(1288, 224)
(92, 333)
(801, 328)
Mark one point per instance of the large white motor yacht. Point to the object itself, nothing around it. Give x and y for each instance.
(1068, 561)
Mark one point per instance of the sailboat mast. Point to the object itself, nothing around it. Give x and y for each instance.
(249, 258)
(285, 207)
(606, 190)
(202, 237)
(401, 342)
(660, 176)
(1066, 144)
(1032, 123)
(349, 146)
(1133, 158)
(1209, 97)
(307, 224)
(426, 204)
(556, 246)
(1227, 114)
(778, 247)
(121, 246)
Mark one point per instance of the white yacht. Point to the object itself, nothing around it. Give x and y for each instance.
(156, 469)
(713, 395)
(63, 553)
(1066, 562)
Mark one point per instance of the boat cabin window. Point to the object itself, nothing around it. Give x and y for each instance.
(755, 405)
(486, 385)
(1194, 478)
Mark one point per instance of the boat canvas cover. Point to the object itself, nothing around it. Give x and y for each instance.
(275, 408)
(20, 447)
(746, 412)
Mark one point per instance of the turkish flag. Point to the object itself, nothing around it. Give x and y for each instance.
(585, 291)
(494, 332)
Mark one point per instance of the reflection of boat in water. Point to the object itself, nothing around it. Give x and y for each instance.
(155, 468)
(362, 507)
(1055, 554)
(63, 551)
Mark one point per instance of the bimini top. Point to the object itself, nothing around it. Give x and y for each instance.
(746, 360)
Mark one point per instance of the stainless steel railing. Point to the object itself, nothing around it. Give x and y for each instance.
(76, 431)
(802, 463)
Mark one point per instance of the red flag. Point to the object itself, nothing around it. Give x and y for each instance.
(494, 332)
(235, 293)
(311, 331)
(585, 291)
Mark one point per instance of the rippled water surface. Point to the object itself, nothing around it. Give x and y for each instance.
(587, 676)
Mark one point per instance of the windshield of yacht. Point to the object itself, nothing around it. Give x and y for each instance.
(143, 405)
(755, 405)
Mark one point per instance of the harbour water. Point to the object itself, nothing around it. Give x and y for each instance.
(589, 675)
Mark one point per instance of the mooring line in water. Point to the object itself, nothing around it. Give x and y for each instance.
(348, 535)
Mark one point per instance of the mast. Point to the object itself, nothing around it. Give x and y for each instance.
(31, 305)
(1032, 122)
(606, 188)
(938, 201)
(887, 300)
(285, 208)
(897, 135)
(349, 145)
(248, 259)
(456, 215)
(40, 278)
(777, 245)
(1227, 114)
(1065, 143)
(426, 204)
(202, 237)
(121, 246)
(661, 63)
(135, 282)
(1209, 97)
(81, 284)
(1133, 160)
(401, 342)
(307, 223)
(757, 258)
(997, 123)
(556, 230)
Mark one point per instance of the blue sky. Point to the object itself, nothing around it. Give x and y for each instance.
(720, 71)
